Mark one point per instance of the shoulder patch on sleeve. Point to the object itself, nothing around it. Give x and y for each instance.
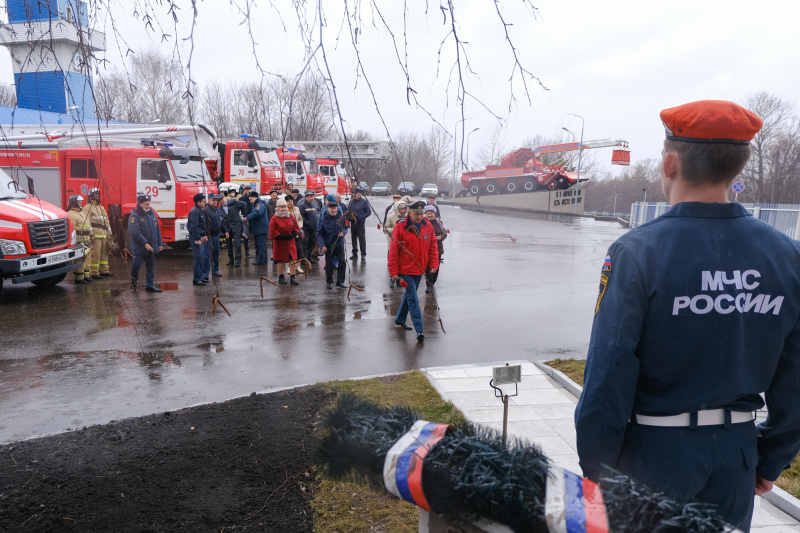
(607, 263)
(601, 292)
(133, 220)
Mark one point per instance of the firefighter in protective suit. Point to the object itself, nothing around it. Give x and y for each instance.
(101, 234)
(80, 222)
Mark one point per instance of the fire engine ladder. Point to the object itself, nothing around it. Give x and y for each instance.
(381, 151)
(566, 147)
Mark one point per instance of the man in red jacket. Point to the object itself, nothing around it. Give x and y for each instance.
(412, 249)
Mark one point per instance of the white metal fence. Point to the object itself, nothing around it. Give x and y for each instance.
(783, 217)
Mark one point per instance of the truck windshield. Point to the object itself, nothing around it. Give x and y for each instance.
(311, 167)
(9, 189)
(269, 159)
(192, 170)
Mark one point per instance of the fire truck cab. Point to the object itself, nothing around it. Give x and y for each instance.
(37, 240)
(250, 161)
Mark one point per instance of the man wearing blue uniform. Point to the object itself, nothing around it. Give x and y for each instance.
(198, 237)
(259, 227)
(698, 313)
(146, 242)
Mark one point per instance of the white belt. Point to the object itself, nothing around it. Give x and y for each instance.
(708, 417)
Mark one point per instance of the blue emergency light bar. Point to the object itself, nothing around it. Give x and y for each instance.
(248, 136)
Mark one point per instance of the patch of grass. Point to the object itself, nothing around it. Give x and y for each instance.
(348, 505)
(574, 368)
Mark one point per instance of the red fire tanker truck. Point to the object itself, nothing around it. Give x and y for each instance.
(170, 175)
(37, 240)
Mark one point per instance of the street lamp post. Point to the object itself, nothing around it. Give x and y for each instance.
(468, 135)
(455, 167)
(580, 153)
(615, 203)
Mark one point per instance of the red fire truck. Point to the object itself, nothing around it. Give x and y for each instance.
(170, 175)
(523, 171)
(302, 170)
(37, 240)
(249, 161)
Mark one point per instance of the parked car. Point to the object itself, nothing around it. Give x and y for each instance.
(382, 188)
(364, 186)
(429, 189)
(406, 188)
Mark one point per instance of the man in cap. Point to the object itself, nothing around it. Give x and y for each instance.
(214, 220)
(198, 237)
(259, 227)
(245, 197)
(413, 250)
(432, 202)
(237, 210)
(310, 213)
(146, 242)
(697, 315)
(331, 230)
(360, 211)
(296, 196)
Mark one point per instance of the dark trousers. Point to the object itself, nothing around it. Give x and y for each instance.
(246, 239)
(200, 260)
(358, 232)
(310, 243)
(214, 253)
(235, 246)
(711, 464)
(340, 270)
(261, 248)
(149, 259)
(431, 277)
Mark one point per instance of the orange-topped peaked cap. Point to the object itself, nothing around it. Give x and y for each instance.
(711, 121)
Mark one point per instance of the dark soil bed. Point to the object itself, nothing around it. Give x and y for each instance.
(241, 465)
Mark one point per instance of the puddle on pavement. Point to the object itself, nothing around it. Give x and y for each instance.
(213, 347)
(169, 286)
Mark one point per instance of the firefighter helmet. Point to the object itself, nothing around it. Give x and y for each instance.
(75, 201)
(94, 194)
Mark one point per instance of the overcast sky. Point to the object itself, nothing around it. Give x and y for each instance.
(615, 63)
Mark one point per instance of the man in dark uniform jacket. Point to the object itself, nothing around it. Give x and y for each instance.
(237, 210)
(215, 229)
(310, 213)
(146, 242)
(198, 237)
(698, 313)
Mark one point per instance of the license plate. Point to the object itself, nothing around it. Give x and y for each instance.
(58, 258)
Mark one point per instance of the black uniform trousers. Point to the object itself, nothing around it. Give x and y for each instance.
(711, 464)
(358, 232)
(235, 246)
(340, 270)
(149, 259)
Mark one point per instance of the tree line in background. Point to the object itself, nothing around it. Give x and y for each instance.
(278, 109)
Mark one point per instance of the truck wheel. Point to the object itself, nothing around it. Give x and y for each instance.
(51, 281)
(475, 189)
(492, 188)
(563, 183)
(530, 185)
(512, 186)
(553, 185)
(442, 194)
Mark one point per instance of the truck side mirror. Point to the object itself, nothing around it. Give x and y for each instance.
(31, 188)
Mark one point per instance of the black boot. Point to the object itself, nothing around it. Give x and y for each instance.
(293, 280)
(281, 280)
(133, 283)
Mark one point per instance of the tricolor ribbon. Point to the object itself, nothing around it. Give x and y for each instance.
(573, 504)
(402, 470)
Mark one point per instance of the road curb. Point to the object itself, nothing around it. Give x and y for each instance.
(561, 379)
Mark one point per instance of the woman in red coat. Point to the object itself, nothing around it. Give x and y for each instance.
(283, 230)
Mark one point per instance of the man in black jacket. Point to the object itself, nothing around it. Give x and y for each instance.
(245, 197)
(310, 213)
(360, 209)
(214, 220)
(198, 237)
(237, 210)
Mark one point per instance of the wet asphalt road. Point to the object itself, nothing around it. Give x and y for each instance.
(509, 288)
